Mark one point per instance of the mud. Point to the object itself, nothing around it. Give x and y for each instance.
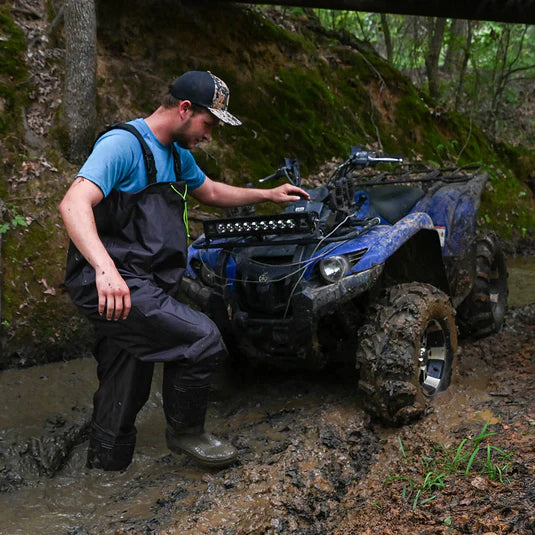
(311, 460)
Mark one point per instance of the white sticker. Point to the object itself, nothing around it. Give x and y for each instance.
(441, 235)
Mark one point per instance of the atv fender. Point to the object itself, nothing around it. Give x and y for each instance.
(455, 207)
(410, 251)
(383, 241)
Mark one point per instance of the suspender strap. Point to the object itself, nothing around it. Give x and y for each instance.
(148, 157)
(178, 163)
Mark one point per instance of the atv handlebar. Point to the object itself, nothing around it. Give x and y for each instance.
(360, 158)
(290, 170)
(277, 174)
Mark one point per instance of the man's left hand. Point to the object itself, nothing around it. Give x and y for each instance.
(287, 193)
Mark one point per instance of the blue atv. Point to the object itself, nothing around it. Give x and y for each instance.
(378, 267)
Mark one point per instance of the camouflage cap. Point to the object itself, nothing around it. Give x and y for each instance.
(207, 90)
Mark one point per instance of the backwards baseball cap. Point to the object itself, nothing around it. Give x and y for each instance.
(205, 89)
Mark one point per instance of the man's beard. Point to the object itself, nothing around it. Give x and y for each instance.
(182, 141)
(181, 138)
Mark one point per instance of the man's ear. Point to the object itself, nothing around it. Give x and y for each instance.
(184, 107)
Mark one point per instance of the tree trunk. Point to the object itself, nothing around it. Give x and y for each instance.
(464, 65)
(456, 46)
(79, 113)
(388, 38)
(436, 36)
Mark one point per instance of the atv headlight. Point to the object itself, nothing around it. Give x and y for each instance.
(333, 268)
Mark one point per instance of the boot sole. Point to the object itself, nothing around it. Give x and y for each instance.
(220, 463)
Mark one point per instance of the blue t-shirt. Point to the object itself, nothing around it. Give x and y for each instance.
(117, 162)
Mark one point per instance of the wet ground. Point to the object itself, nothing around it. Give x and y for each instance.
(311, 462)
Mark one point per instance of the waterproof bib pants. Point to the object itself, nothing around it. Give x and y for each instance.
(145, 235)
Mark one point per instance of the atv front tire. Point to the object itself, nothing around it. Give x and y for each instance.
(482, 312)
(406, 351)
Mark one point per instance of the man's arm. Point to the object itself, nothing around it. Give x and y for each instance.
(76, 208)
(220, 194)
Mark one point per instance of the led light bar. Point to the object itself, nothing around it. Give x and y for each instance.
(294, 223)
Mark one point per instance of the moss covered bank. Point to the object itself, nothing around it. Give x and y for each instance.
(299, 90)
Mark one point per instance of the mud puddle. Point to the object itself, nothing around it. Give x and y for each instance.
(521, 280)
(268, 418)
(303, 440)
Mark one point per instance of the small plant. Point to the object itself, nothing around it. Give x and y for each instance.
(471, 455)
(16, 220)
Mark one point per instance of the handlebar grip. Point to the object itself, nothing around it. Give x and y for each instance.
(385, 159)
(274, 175)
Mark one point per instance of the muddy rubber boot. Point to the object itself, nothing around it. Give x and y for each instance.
(185, 410)
(110, 453)
(202, 446)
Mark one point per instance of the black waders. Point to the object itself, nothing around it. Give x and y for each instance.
(145, 234)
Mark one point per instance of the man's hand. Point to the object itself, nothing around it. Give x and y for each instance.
(77, 211)
(219, 194)
(287, 193)
(113, 294)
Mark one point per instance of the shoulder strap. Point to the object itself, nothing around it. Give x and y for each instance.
(177, 163)
(148, 157)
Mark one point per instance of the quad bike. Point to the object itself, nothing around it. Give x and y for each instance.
(380, 267)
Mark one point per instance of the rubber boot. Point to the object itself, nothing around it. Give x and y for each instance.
(185, 410)
(110, 454)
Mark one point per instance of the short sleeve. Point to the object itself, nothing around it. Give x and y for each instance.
(113, 161)
(191, 173)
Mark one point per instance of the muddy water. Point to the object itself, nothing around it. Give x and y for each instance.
(264, 415)
(521, 280)
(76, 500)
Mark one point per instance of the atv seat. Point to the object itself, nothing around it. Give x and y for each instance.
(393, 202)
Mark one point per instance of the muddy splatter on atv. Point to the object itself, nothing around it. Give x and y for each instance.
(381, 267)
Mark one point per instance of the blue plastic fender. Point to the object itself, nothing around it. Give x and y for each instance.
(455, 207)
(381, 241)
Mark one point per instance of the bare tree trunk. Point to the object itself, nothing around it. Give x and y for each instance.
(437, 28)
(79, 113)
(388, 38)
(455, 51)
(464, 65)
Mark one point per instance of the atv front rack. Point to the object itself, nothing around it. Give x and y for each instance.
(418, 174)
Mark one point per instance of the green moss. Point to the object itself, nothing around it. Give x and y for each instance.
(418, 134)
(295, 114)
(508, 206)
(520, 160)
(13, 73)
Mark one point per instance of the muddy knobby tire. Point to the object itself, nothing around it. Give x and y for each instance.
(482, 312)
(406, 351)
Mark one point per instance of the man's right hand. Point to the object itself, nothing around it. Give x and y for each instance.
(77, 211)
(113, 294)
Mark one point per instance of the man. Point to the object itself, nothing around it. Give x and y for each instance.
(126, 216)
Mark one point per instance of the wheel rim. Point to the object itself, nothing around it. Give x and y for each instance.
(432, 358)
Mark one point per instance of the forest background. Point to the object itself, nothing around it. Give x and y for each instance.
(307, 83)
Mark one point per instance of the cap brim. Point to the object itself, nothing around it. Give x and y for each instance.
(226, 117)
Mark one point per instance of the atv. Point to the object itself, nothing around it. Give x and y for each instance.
(379, 266)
